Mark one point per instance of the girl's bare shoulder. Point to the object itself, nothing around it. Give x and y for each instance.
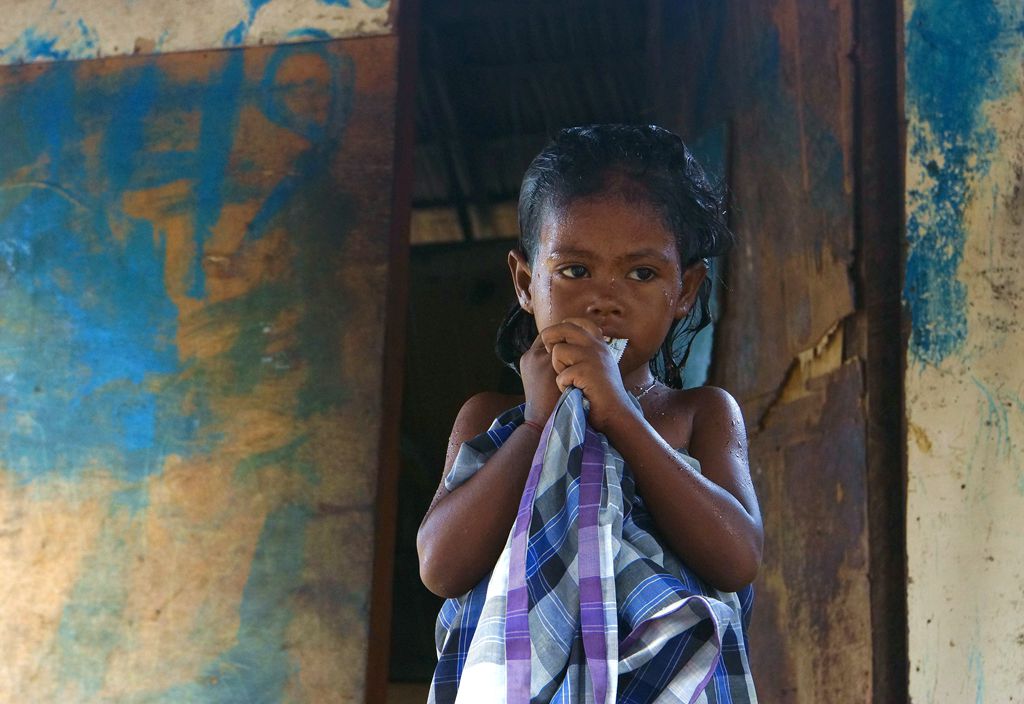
(478, 411)
(475, 417)
(683, 411)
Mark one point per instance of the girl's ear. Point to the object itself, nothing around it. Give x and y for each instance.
(693, 277)
(521, 278)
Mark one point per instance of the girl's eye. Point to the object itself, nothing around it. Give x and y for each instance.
(574, 271)
(642, 273)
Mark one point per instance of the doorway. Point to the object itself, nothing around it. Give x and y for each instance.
(495, 82)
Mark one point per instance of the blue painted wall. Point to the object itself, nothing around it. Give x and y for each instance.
(963, 295)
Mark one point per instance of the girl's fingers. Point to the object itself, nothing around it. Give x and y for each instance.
(569, 377)
(570, 331)
(588, 325)
(537, 349)
(564, 381)
(564, 355)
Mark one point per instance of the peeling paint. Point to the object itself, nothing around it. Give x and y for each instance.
(964, 295)
(58, 30)
(951, 55)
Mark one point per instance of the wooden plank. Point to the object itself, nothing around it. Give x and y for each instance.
(393, 362)
(872, 334)
(780, 74)
(195, 258)
(811, 637)
(792, 181)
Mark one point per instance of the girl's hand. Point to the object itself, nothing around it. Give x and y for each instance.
(539, 385)
(580, 357)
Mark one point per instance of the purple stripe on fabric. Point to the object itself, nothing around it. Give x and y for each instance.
(517, 606)
(589, 565)
(718, 655)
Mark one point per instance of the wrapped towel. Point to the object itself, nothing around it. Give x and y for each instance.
(585, 604)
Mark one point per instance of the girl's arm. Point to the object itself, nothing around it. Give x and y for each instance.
(464, 531)
(710, 519)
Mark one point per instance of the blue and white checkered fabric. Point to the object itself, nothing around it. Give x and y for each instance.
(584, 603)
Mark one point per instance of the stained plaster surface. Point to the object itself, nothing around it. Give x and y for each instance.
(55, 30)
(963, 293)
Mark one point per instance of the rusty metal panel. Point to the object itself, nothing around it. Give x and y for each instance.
(58, 30)
(193, 263)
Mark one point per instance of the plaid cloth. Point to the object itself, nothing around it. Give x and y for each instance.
(584, 603)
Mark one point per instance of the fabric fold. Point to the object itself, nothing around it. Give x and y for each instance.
(585, 604)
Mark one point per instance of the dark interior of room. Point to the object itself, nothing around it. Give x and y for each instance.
(495, 81)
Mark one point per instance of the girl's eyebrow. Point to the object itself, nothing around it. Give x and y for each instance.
(646, 253)
(569, 253)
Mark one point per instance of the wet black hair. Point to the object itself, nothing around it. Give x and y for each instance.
(642, 164)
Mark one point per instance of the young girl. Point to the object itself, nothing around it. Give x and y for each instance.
(640, 592)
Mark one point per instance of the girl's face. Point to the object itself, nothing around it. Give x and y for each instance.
(614, 263)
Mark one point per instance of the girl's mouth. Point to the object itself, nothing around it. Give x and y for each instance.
(617, 345)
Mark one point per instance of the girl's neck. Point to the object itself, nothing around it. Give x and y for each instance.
(638, 380)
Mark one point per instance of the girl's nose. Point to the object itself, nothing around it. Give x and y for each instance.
(603, 305)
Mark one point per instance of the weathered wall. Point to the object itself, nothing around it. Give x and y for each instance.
(193, 264)
(965, 374)
(48, 30)
(790, 295)
(780, 75)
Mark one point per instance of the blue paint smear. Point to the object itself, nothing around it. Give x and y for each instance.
(258, 664)
(89, 369)
(324, 137)
(91, 621)
(257, 669)
(216, 138)
(34, 46)
(234, 36)
(976, 665)
(74, 379)
(952, 68)
(310, 33)
(90, 375)
(87, 358)
(89, 41)
(375, 4)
